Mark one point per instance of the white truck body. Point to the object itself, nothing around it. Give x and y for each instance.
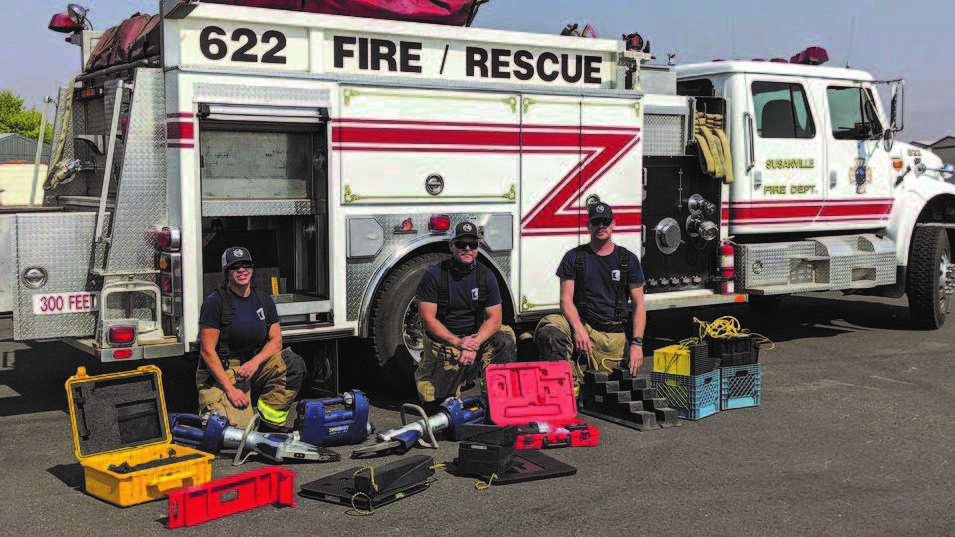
(340, 150)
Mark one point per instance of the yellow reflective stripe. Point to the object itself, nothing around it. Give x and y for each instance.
(270, 414)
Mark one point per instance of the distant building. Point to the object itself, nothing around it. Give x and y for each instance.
(944, 148)
(18, 148)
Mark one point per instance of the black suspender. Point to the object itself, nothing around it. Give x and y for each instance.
(620, 313)
(444, 292)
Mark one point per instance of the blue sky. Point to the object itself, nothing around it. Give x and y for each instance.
(913, 39)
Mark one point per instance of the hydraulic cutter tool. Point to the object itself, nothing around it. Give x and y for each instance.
(453, 414)
(212, 433)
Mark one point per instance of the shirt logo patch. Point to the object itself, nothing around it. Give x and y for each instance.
(474, 294)
(615, 275)
(261, 313)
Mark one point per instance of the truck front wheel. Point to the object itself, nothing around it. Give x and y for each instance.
(928, 277)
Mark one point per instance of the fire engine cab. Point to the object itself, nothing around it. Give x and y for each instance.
(342, 150)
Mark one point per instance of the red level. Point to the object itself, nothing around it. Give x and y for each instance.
(230, 495)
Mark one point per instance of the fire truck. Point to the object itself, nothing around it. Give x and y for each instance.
(341, 150)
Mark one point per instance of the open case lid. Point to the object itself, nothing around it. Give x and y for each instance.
(523, 393)
(116, 412)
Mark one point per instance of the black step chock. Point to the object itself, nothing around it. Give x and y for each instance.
(619, 397)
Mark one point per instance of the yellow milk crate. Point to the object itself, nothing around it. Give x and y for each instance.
(683, 360)
(122, 439)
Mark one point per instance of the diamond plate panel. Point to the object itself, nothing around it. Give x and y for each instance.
(362, 273)
(141, 187)
(762, 265)
(60, 243)
(259, 208)
(664, 135)
(258, 95)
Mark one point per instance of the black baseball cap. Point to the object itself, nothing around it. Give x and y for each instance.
(235, 254)
(465, 229)
(599, 210)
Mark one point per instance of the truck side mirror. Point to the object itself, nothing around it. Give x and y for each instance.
(897, 106)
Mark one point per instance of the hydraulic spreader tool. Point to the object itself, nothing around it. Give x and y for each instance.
(212, 433)
(453, 415)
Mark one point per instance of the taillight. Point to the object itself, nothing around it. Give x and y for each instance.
(439, 223)
(897, 163)
(122, 354)
(121, 334)
(169, 238)
(165, 284)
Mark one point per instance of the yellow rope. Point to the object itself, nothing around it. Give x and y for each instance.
(361, 512)
(482, 486)
(728, 327)
(371, 474)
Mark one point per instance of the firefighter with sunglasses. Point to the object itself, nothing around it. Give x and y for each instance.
(598, 280)
(460, 307)
(241, 346)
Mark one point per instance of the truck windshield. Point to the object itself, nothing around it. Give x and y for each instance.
(852, 113)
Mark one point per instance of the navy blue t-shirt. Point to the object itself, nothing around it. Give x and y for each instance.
(463, 294)
(250, 321)
(603, 280)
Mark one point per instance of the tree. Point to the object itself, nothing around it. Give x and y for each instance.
(13, 118)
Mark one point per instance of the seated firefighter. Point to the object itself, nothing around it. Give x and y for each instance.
(596, 282)
(241, 346)
(460, 306)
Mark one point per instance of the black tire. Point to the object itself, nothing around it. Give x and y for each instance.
(930, 256)
(390, 307)
(765, 303)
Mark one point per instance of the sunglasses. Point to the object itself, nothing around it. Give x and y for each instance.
(601, 222)
(463, 245)
(243, 265)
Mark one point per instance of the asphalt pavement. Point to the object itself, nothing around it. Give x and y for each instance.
(853, 436)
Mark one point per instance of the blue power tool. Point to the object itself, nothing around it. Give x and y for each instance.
(212, 433)
(336, 421)
(453, 414)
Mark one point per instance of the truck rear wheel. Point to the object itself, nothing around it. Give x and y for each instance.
(930, 261)
(395, 324)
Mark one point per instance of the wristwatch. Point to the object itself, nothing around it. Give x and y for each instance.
(637, 340)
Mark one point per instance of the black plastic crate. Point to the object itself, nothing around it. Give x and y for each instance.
(734, 351)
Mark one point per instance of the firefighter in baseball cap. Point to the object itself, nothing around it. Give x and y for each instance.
(241, 346)
(598, 283)
(460, 307)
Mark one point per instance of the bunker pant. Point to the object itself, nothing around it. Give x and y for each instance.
(555, 340)
(440, 374)
(277, 383)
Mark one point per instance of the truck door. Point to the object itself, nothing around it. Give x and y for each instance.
(552, 213)
(858, 168)
(787, 155)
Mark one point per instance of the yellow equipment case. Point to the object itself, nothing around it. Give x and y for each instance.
(121, 437)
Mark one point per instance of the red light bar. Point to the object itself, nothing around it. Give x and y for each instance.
(122, 334)
(64, 24)
(811, 56)
(779, 60)
(439, 223)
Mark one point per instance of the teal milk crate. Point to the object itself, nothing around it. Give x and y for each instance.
(740, 386)
(693, 396)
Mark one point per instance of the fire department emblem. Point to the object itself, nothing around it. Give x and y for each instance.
(467, 227)
(238, 252)
(599, 209)
(860, 175)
